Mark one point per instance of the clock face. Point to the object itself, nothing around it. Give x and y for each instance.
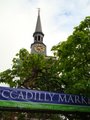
(39, 48)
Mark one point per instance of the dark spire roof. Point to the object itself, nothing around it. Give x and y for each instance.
(38, 24)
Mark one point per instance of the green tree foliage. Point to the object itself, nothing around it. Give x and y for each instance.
(32, 71)
(74, 60)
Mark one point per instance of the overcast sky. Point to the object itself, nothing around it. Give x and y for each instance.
(18, 21)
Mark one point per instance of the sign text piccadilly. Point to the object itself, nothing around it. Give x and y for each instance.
(33, 98)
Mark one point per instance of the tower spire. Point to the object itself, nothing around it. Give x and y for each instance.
(38, 24)
(38, 46)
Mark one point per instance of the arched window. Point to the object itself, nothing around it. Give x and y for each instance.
(39, 38)
(35, 38)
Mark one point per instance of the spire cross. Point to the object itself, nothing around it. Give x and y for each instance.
(38, 11)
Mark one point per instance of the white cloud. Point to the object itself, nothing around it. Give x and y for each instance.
(18, 20)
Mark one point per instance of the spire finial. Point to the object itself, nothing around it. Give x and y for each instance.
(38, 11)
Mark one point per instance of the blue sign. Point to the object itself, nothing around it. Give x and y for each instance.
(41, 97)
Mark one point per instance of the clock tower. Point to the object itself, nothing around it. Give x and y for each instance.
(38, 47)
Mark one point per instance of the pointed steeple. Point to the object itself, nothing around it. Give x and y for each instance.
(38, 24)
(38, 47)
(38, 29)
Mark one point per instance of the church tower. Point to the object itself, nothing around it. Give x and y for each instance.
(38, 47)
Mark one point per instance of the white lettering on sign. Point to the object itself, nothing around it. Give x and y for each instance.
(40, 96)
(29, 96)
(70, 99)
(77, 99)
(13, 94)
(62, 98)
(5, 93)
(83, 100)
(51, 96)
